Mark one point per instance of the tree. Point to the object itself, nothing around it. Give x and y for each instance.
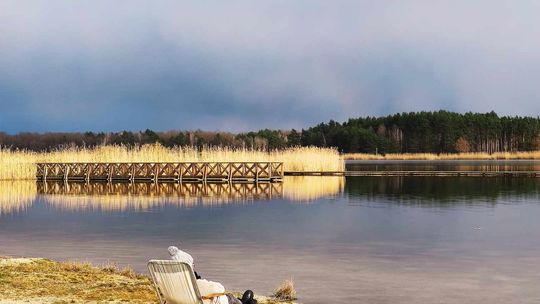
(294, 138)
(462, 145)
(179, 139)
(536, 145)
(149, 137)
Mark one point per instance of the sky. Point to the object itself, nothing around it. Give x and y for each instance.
(246, 65)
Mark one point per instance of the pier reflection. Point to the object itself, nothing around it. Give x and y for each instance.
(18, 196)
(144, 196)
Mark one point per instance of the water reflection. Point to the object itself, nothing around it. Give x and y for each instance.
(16, 196)
(444, 165)
(144, 196)
(74, 196)
(311, 188)
(440, 191)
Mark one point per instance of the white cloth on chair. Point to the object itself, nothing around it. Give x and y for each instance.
(181, 256)
(208, 287)
(205, 287)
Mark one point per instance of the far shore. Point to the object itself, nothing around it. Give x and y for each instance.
(524, 155)
(44, 281)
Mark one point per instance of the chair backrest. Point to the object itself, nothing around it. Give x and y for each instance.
(175, 282)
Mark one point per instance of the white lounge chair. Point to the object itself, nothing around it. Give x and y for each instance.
(175, 283)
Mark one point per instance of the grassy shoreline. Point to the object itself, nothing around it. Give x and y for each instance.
(525, 155)
(37, 280)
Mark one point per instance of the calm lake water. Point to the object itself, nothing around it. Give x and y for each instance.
(353, 240)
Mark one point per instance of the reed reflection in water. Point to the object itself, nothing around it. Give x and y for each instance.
(16, 196)
(145, 196)
(311, 188)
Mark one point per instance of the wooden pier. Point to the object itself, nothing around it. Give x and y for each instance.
(218, 172)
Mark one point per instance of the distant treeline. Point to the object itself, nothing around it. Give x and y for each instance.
(433, 132)
(415, 132)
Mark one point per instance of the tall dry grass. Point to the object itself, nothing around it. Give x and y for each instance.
(17, 165)
(285, 291)
(445, 156)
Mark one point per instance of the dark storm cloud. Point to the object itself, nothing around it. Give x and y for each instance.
(102, 65)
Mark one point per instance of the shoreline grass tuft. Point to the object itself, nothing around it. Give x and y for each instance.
(286, 291)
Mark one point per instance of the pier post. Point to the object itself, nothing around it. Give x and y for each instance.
(181, 174)
(66, 170)
(109, 177)
(256, 172)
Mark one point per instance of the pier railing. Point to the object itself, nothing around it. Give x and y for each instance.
(162, 172)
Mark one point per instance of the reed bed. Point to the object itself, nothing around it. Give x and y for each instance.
(17, 165)
(445, 156)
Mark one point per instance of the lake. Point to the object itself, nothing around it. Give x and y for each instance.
(342, 240)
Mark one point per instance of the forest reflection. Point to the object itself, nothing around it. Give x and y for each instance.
(440, 191)
(18, 196)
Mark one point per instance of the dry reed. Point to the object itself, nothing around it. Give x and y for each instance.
(286, 291)
(17, 165)
(445, 156)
